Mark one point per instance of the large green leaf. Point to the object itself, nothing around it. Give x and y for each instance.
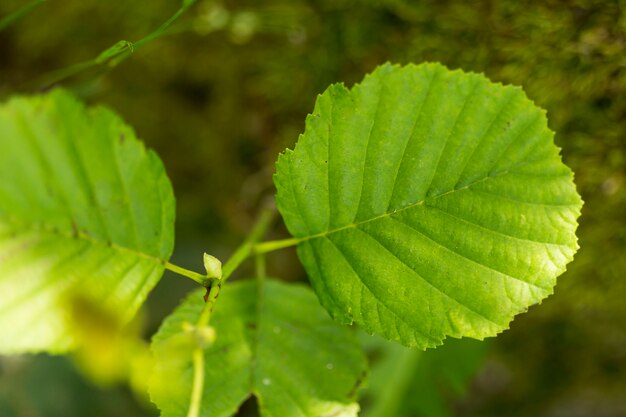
(276, 343)
(428, 203)
(86, 221)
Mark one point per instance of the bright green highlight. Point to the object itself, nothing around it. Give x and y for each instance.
(86, 220)
(428, 203)
(273, 341)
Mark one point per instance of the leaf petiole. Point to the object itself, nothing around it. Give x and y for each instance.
(199, 278)
(272, 245)
(250, 245)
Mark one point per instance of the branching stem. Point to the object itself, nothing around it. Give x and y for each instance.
(248, 247)
(113, 55)
(272, 245)
(199, 278)
(240, 255)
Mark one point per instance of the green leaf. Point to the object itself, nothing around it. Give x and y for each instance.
(408, 382)
(86, 221)
(428, 203)
(276, 343)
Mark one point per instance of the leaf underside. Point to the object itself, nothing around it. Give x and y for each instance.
(428, 203)
(86, 220)
(276, 343)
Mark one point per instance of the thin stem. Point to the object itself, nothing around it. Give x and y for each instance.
(198, 354)
(8, 20)
(207, 309)
(112, 56)
(199, 278)
(161, 30)
(392, 392)
(247, 248)
(259, 229)
(260, 266)
(198, 383)
(272, 245)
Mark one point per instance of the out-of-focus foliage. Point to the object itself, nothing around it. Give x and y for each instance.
(85, 226)
(219, 99)
(409, 382)
(44, 386)
(273, 341)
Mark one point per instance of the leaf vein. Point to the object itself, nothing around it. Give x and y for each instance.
(87, 185)
(84, 236)
(450, 134)
(118, 172)
(497, 232)
(51, 283)
(367, 148)
(491, 125)
(380, 301)
(517, 201)
(456, 252)
(410, 139)
(439, 290)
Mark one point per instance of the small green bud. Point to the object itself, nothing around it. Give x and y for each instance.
(213, 266)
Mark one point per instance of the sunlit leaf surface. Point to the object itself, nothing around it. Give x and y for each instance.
(86, 221)
(428, 203)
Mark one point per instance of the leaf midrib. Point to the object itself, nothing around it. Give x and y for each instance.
(393, 212)
(43, 228)
(421, 202)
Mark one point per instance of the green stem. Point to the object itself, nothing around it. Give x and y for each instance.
(241, 254)
(400, 372)
(198, 355)
(8, 20)
(260, 266)
(198, 383)
(207, 309)
(272, 245)
(161, 30)
(113, 55)
(199, 278)
(248, 247)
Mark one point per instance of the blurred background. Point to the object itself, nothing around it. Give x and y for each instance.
(228, 86)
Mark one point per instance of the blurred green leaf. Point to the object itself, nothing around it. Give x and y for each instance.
(407, 382)
(275, 342)
(50, 386)
(86, 221)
